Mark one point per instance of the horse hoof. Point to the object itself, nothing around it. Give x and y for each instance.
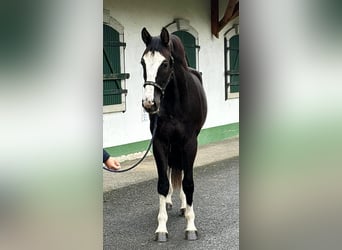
(168, 206)
(191, 235)
(161, 237)
(182, 212)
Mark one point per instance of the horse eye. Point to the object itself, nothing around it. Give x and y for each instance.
(165, 64)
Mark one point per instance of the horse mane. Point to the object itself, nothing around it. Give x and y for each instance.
(178, 51)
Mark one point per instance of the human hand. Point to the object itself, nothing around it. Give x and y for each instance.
(112, 163)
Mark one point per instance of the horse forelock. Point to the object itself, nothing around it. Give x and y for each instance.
(175, 47)
(156, 45)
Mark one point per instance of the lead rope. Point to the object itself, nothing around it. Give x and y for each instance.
(138, 162)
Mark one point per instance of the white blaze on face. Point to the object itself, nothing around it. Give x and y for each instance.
(152, 63)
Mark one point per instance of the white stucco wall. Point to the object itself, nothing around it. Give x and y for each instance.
(122, 128)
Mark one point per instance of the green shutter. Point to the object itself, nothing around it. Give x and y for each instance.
(232, 74)
(234, 64)
(112, 75)
(189, 43)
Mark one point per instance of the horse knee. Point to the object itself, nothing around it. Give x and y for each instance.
(163, 188)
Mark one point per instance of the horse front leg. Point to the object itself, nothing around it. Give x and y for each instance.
(161, 233)
(160, 155)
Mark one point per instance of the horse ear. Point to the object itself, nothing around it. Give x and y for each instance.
(146, 37)
(165, 37)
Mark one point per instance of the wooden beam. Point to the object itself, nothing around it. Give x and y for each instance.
(228, 13)
(214, 17)
(235, 14)
(232, 11)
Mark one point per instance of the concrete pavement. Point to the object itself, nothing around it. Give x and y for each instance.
(130, 213)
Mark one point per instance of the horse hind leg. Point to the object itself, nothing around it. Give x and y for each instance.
(182, 198)
(191, 230)
(169, 195)
(175, 174)
(188, 188)
(176, 177)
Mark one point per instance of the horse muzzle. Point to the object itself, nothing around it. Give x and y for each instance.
(150, 106)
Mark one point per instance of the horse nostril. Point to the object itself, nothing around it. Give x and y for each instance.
(148, 103)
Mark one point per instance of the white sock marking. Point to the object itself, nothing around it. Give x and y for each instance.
(162, 215)
(190, 218)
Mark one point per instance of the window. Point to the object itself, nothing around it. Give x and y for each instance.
(114, 92)
(189, 43)
(232, 68)
(189, 37)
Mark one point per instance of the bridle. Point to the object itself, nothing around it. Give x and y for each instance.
(156, 85)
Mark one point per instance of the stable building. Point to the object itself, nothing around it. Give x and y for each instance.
(209, 31)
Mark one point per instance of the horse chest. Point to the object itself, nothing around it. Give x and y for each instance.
(172, 129)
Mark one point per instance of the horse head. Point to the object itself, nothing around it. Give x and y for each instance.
(157, 63)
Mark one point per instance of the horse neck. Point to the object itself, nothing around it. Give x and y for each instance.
(177, 94)
(180, 80)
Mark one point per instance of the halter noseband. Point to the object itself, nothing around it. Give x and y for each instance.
(156, 85)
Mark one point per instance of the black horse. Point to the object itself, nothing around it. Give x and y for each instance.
(173, 94)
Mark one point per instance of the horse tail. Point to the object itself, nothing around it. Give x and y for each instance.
(176, 178)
